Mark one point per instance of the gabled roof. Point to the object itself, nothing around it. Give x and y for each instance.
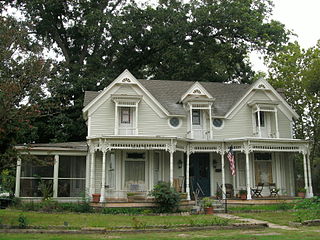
(168, 94)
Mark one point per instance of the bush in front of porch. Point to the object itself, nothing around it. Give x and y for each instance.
(166, 198)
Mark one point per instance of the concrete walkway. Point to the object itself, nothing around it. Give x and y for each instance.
(254, 221)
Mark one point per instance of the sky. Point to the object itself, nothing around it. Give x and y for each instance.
(300, 16)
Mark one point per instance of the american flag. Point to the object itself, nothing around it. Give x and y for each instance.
(230, 157)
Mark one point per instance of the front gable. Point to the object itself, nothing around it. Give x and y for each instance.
(196, 91)
(125, 84)
(262, 91)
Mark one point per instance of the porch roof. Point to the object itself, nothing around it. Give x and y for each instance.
(62, 146)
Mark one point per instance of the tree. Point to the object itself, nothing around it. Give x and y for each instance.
(293, 69)
(206, 40)
(22, 73)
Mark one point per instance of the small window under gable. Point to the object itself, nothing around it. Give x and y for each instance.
(126, 114)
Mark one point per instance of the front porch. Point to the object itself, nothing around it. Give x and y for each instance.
(116, 167)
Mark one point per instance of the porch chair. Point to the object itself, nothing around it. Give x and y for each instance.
(256, 192)
(273, 190)
(229, 190)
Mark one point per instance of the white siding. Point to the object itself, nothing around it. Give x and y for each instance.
(284, 125)
(102, 120)
(151, 124)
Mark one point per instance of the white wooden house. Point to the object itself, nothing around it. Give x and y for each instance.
(141, 132)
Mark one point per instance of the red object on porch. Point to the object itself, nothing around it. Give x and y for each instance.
(96, 197)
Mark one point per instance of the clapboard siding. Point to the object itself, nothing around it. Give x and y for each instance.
(284, 125)
(239, 126)
(151, 124)
(102, 120)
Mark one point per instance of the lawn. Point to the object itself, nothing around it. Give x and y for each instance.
(78, 220)
(281, 218)
(266, 234)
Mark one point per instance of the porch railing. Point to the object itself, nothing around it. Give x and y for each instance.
(222, 198)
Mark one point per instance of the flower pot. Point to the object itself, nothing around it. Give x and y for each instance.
(208, 210)
(243, 196)
(96, 197)
(302, 194)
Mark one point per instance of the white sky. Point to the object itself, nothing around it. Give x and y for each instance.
(300, 16)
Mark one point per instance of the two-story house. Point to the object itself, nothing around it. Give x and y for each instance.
(141, 132)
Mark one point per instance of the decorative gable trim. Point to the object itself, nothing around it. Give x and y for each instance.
(262, 85)
(196, 90)
(125, 78)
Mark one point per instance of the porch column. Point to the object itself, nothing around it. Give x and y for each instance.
(103, 177)
(188, 174)
(305, 173)
(310, 178)
(247, 152)
(18, 175)
(92, 171)
(171, 151)
(171, 168)
(223, 173)
(55, 175)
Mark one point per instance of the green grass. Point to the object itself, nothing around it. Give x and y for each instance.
(265, 234)
(78, 220)
(281, 218)
(270, 207)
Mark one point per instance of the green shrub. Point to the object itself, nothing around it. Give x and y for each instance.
(22, 221)
(166, 198)
(307, 209)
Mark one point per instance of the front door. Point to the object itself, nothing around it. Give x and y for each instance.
(200, 173)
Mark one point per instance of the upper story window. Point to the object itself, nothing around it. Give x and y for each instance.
(125, 115)
(196, 119)
(262, 119)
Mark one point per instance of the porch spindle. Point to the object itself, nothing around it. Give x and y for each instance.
(103, 178)
(188, 174)
(248, 175)
(305, 173)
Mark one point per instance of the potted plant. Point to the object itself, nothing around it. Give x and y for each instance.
(302, 192)
(207, 204)
(243, 194)
(96, 197)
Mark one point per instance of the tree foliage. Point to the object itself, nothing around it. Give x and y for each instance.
(294, 70)
(207, 40)
(22, 73)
